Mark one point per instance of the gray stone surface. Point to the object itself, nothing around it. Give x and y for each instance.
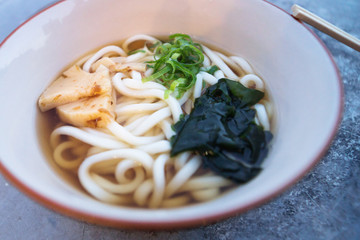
(325, 204)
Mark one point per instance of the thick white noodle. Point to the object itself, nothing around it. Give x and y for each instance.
(159, 180)
(94, 150)
(269, 108)
(121, 188)
(152, 121)
(121, 169)
(167, 129)
(124, 135)
(91, 139)
(171, 101)
(137, 37)
(204, 182)
(135, 75)
(135, 57)
(198, 86)
(98, 132)
(262, 116)
(100, 53)
(256, 119)
(86, 177)
(180, 160)
(188, 106)
(139, 108)
(206, 62)
(156, 147)
(132, 123)
(143, 192)
(205, 194)
(219, 74)
(148, 72)
(230, 63)
(243, 64)
(251, 80)
(136, 84)
(183, 175)
(210, 79)
(185, 97)
(216, 60)
(63, 162)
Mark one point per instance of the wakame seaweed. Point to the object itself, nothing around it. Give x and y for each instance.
(222, 130)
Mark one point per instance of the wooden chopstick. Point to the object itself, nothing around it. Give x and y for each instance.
(326, 27)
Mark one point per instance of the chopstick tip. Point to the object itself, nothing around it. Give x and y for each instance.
(295, 10)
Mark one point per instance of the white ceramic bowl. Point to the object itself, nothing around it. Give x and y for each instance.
(300, 74)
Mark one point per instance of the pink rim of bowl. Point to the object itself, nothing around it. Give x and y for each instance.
(195, 220)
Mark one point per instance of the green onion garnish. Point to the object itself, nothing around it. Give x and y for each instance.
(176, 65)
(213, 69)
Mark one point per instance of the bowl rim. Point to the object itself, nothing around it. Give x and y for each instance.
(196, 221)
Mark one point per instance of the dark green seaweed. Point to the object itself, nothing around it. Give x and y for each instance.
(222, 130)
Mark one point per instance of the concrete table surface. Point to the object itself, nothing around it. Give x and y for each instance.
(325, 204)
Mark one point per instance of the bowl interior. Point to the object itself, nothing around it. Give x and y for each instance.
(300, 75)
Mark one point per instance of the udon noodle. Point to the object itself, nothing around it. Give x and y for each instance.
(127, 162)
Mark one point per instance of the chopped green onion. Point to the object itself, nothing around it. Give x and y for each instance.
(176, 65)
(153, 46)
(212, 70)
